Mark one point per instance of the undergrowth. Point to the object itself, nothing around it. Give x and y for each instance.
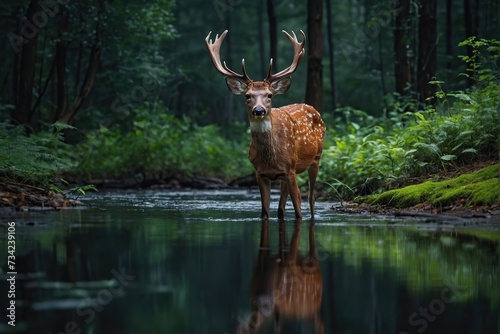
(161, 146)
(30, 159)
(369, 154)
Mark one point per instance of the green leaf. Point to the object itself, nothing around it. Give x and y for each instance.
(433, 148)
(448, 157)
(469, 150)
(409, 152)
(420, 116)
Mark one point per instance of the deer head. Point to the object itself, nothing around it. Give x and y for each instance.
(258, 94)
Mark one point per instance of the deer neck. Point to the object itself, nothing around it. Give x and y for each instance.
(261, 126)
(263, 139)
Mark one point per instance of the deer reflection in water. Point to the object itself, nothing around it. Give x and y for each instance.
(287, 285)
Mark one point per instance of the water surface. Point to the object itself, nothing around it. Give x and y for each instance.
(201, 262)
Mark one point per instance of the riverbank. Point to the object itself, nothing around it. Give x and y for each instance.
(469, 192)
(23, 197)
(472, 192)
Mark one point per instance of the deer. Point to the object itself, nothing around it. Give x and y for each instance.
(285, 141)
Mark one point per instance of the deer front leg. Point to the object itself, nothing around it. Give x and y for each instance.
(265, 195)
(283, 197)
(294, 191)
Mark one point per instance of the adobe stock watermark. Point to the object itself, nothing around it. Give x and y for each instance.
(221, 7)
(380, 18)
(264, 306)
(264, 309)
(90, 306)
(421, 318)
(30, 29)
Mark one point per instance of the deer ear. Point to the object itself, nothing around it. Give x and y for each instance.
(281, 86)
(236, 86)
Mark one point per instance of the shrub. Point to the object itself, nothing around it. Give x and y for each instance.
(161, 146)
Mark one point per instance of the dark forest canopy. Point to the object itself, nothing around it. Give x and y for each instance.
(93, 62)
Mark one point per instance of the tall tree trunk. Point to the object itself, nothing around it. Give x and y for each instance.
(60, 57)
(367, 49)
(314, 87)
(15, 81)
(403, 32)
(476, 18)
(260, 37)
(492, 19)
(5, 80)
(94, 61)
(427, 56)
(88, 82)
(62, 85)
(449, 35)
(273, 35)
(78, 68)
(469, 31)
(40, 74)
(225, 117)
(382, 70)
(331, 54)
(79, 59)
(44, 87)
(21, 114)
(229, 43)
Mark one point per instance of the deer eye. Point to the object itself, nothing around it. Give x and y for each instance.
(269, 96)
(248, 96)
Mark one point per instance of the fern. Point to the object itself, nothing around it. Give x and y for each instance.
(27, 159)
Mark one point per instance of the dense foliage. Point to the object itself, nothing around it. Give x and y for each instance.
(161, 147)
(461, 129)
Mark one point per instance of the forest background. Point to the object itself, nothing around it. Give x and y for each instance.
(124, 91)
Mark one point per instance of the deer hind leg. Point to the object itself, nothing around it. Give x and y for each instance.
(294, 191)
(283, 198)
(265, 195)
(313, 173)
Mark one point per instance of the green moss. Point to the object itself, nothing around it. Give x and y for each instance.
(478, 188)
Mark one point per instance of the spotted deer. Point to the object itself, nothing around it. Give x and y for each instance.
(284, 141)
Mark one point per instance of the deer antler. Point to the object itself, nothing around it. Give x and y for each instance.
(214, 50)
(298, 53)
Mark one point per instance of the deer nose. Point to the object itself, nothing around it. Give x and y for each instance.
(259, 111)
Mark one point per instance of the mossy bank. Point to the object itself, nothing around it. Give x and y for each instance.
(479, 188)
